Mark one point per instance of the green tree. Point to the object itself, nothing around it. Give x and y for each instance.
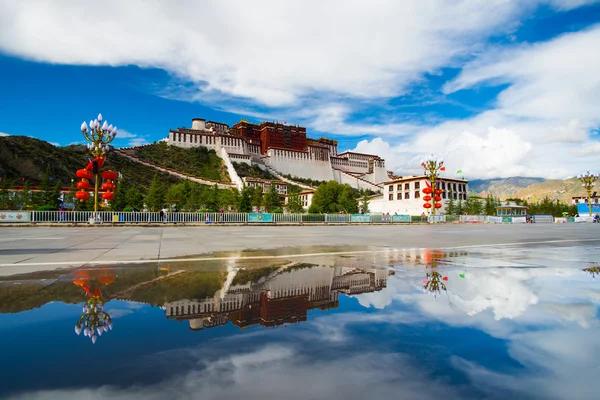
(294, 203)
(459, 207)
(451, 205)
(155, 197)
(211, 199)
(473, 206)
(256, 197)
(272, 200)
(245, 202)
(186, 194)
(54, 199)
(134, 198)
(25, 196)
(120, 201)
(332, 197)
(5, 194)
(364, 201)
(490, 208)
(175, 195)
(346, 200)
(44, 195)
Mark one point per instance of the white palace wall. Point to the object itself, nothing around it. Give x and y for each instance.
(299, 163)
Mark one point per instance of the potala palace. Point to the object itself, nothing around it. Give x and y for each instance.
(282, 149)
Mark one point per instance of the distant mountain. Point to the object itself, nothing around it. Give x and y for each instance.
(562, 190)
(502, 187)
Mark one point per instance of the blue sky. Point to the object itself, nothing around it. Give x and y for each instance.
(497, 89)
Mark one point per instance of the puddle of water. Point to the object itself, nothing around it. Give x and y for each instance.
(389, 323)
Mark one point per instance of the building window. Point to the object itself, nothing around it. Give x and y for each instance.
(417, 194)
(391, 196)
(443, 185)
(443, 195)
(399, 186)
(407, 186)
(399, 196)
(417, 185)
(406, 195)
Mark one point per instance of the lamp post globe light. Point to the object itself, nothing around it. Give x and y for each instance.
(99, 134)
(432, 165)
(588, 181)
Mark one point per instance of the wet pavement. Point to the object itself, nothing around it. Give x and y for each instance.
(458, 321)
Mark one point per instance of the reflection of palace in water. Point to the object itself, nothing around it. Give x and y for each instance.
(283, 296)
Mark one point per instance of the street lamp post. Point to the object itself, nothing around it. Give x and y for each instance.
(99, 135)
(432, 166)
(588, 181)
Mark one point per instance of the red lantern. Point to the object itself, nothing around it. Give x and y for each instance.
(438, 191)
(108, 186)
(84, 174)
(83, 185)
(438, 205)
(427, 190)
(426, 198)
(437, 198)
(108, 196)
(112, 175)
(82, 195)
(427, 205)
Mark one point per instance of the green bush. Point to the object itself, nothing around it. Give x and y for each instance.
(47, 207)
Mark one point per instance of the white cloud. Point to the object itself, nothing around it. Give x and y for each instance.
(4, 134)
(138, 142)
(132, 138)
(340, 48)
(278, 371)
(321, 62)
(123, 134)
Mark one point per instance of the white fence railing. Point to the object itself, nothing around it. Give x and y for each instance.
(118, 217)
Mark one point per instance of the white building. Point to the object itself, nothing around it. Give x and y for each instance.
(405, 195)
(306, 197)
(265, 185)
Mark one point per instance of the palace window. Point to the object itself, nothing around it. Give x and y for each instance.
(443, 185)
(399, 196)
(399, 186)
(417, 194)
(391, 196)
(443, 195)
(417, 185)
(406, 195)
(407, 186)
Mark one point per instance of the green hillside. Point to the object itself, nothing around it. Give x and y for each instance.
(26, 157)
(196, 161)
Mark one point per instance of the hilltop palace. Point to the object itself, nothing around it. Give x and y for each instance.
(283, 149)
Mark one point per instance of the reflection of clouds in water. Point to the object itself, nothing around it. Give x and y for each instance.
(334, 328)
(282, 372)
(583, 314)
(385, 296)
(560, 365)
(118, 312)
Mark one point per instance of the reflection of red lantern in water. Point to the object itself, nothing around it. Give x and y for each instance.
(94, 320)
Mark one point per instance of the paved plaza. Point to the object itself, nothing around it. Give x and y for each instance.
(31, 249)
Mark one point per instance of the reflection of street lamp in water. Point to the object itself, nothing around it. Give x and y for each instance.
(593, 271)
(94, 321)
